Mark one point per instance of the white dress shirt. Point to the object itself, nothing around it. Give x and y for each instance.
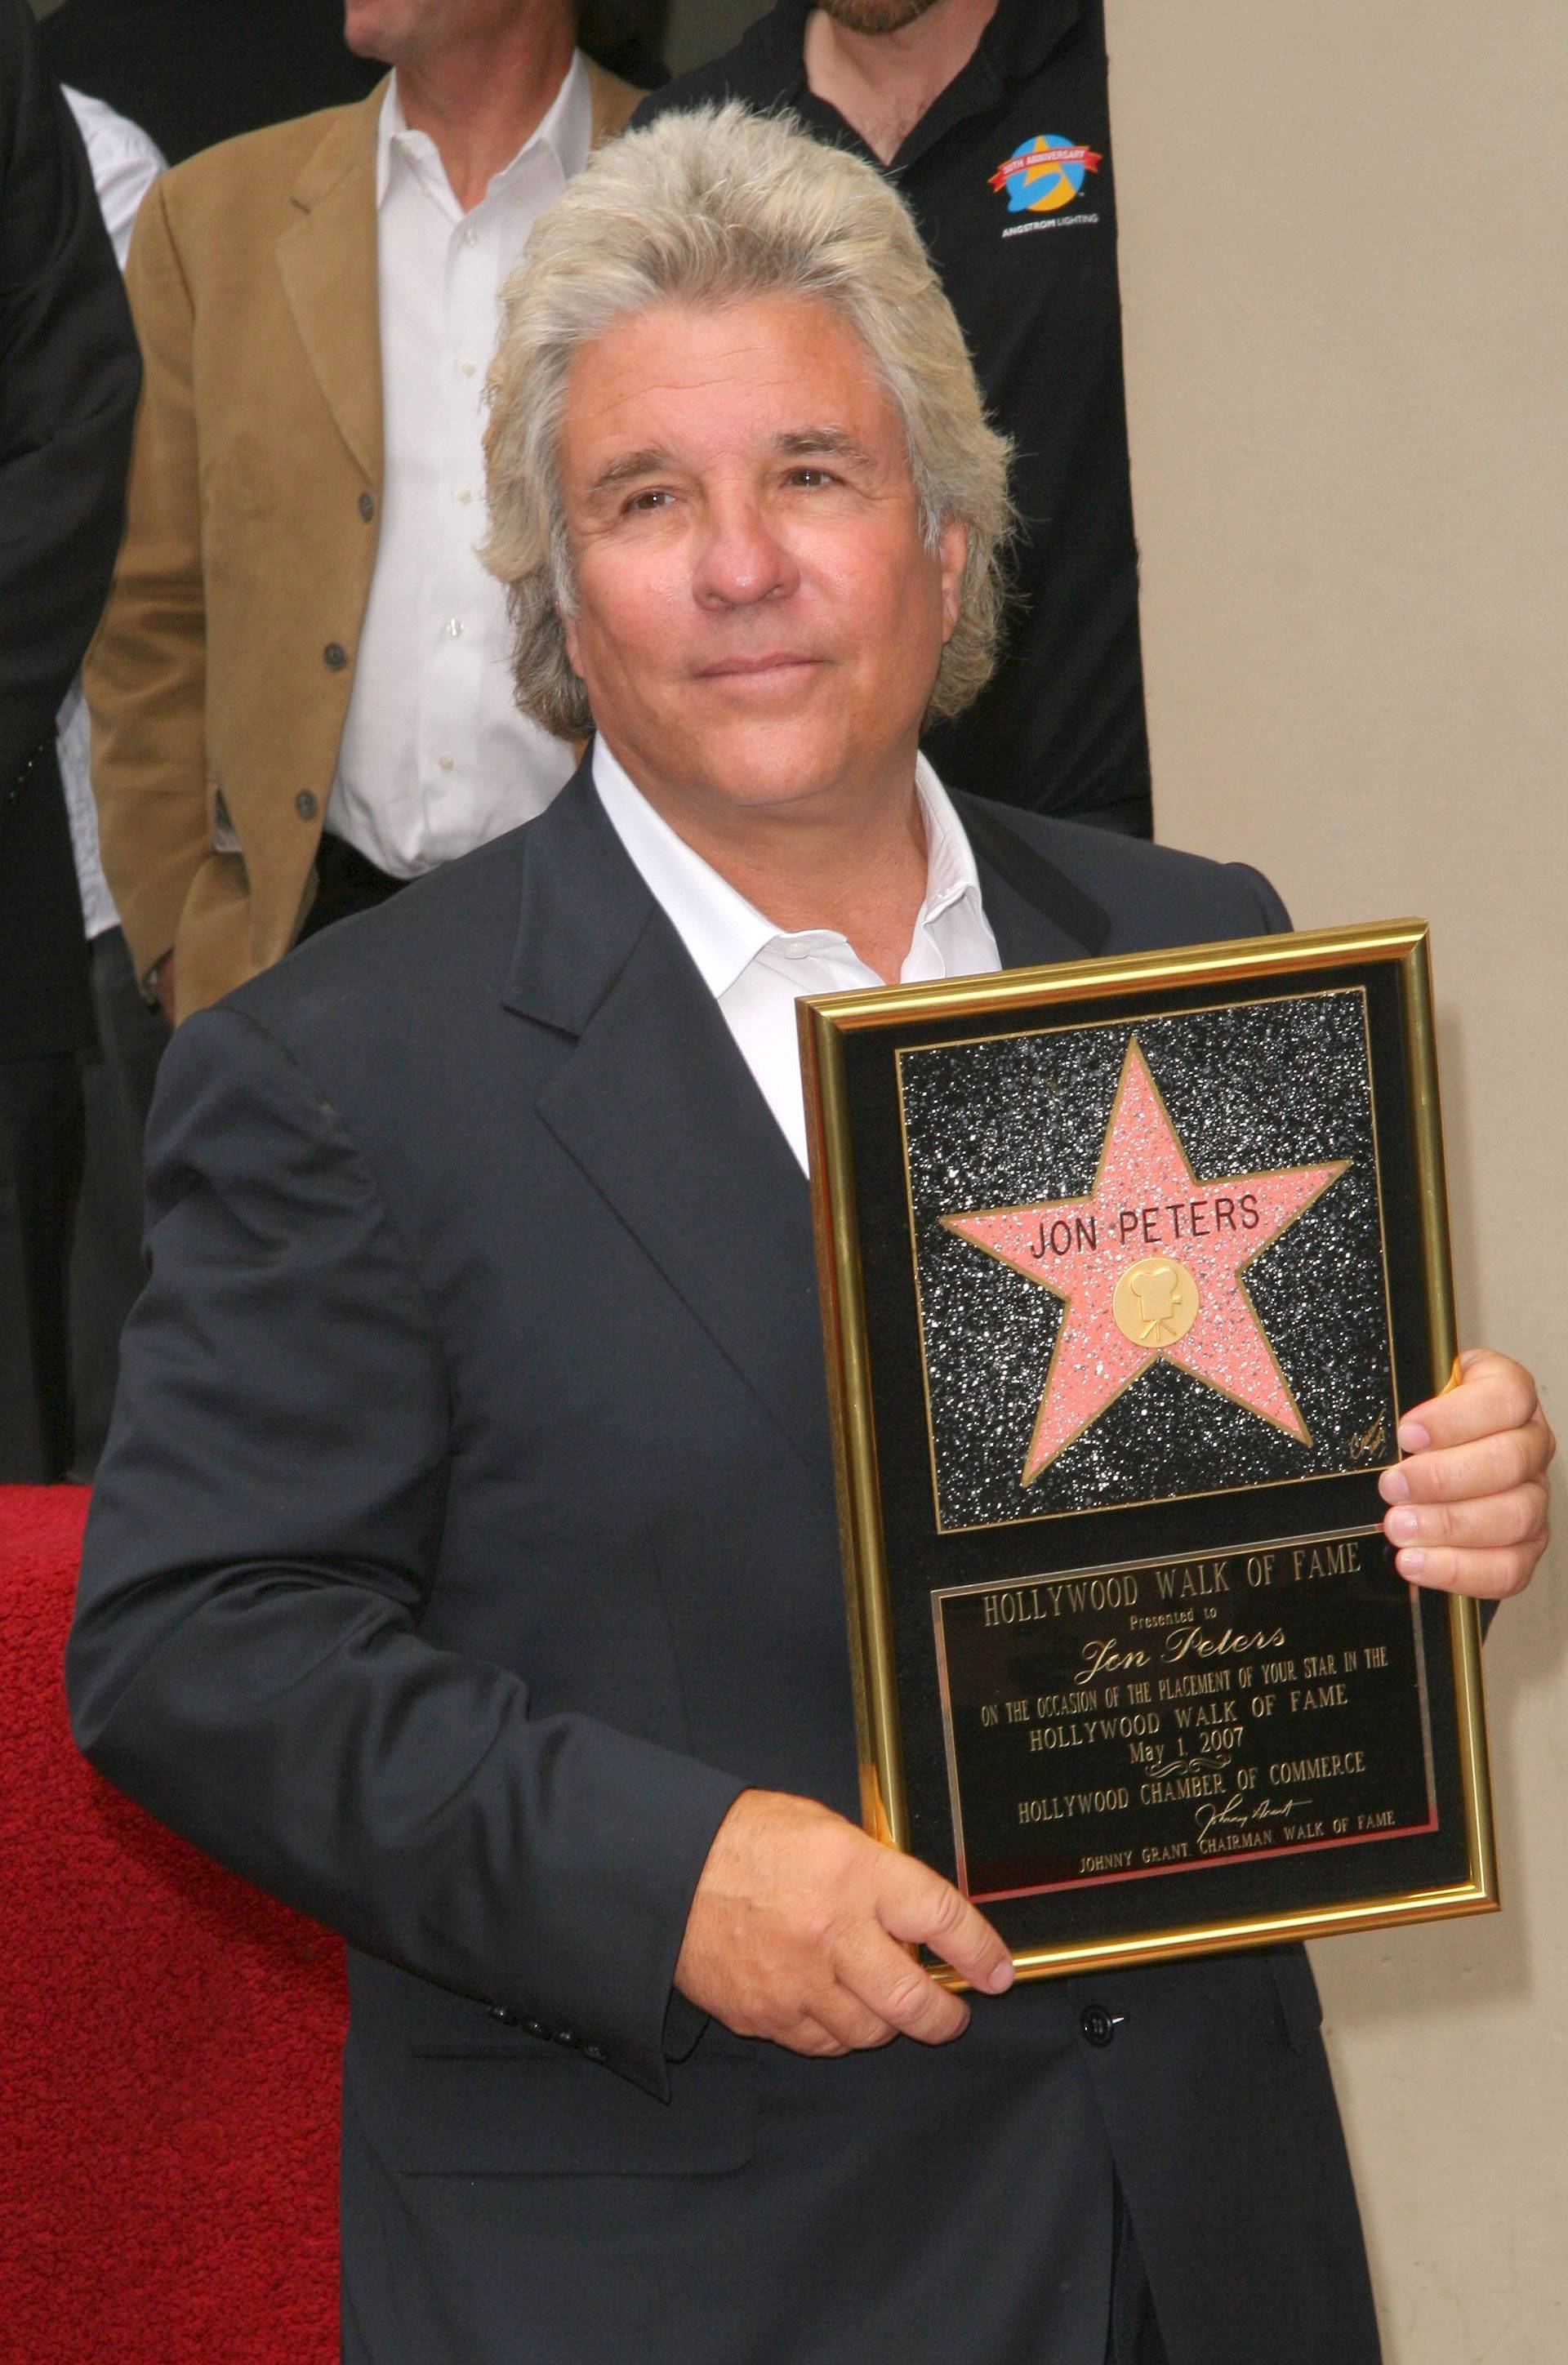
(756, 972)
(124, 162)
(435, 758)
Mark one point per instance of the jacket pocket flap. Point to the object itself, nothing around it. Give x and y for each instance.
(556, 2114)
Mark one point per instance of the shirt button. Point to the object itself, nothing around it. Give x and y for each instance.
(465, 495)
(470, 238)
(367, 506)
(445, 762)
(454, 628)
(305, 805)
(335, 657)
(467, 368)
(1097, 2025)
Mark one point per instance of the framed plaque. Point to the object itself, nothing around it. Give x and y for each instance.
(1129, 1269)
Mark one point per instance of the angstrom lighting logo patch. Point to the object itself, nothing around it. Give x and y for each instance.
(1045, 174)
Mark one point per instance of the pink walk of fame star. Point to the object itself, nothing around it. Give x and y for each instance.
(1148, 1265)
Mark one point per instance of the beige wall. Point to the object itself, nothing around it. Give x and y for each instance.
(1346, 298)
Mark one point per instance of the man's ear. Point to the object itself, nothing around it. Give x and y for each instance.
(569, 635)
(953, 549)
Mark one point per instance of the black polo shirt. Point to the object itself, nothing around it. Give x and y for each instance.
(1027, 254)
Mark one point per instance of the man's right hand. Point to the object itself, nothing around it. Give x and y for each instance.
(799, 1930)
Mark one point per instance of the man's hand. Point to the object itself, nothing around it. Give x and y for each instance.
(795, 1928)
(1471, 1496)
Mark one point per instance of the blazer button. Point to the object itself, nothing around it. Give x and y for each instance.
(535, 2028)
(335, 657)
(568, 2037)
(1097, 2023)
(305, 805)
(508, 2019)
(367, 506)
(593, 2053)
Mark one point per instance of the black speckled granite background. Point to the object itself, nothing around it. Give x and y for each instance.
(1259, 1086)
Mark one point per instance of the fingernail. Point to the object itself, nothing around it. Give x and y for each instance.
(1394, 1486)
(1402, 1527)
(1001, 1979)
(1413, 1438)
(1410, 1563)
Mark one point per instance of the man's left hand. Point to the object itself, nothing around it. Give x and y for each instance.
(1470, 1497)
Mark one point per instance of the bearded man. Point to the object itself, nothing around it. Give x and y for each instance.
(992, 120)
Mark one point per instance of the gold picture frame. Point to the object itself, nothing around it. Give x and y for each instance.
(853, 1049)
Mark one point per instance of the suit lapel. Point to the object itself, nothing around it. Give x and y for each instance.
(329, 267)
(1037, 914)
(328, 262)
(657, 1107)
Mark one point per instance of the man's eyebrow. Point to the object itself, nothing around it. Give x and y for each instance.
(798, 443)
(794, 443)
(645, 463)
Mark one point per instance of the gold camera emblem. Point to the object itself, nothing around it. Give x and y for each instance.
(1155, 1303)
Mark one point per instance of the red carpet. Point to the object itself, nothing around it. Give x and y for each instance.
(168, 2068)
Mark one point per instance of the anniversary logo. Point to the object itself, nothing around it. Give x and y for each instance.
(1128, 1267)
(1045, 174)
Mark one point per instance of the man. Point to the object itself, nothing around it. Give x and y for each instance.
(194, 74)
(68, 381)
(107, 1270)
(465, 1563)
(991, 118)
(300, 694)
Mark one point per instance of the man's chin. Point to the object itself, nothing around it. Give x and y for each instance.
(769, 757)
(367, 33)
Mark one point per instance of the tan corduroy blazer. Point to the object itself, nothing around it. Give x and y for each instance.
(221, 676)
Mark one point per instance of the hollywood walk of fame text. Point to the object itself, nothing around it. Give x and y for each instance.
(1160, 1717)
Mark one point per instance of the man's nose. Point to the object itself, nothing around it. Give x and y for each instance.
(741, 559)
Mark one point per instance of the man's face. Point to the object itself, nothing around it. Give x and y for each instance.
(401, 32)
(759, 621)
(875, 15)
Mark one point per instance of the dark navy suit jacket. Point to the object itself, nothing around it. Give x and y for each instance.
(466, 1541)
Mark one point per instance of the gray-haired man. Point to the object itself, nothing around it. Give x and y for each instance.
(464, 1568)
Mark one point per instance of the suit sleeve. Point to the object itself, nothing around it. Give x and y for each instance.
(146, 674)
(69, 374)
(246, 1659)
(1276, 920)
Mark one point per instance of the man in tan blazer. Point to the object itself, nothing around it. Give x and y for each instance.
(299, 691)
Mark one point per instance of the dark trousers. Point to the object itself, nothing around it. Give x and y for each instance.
(41, 1172)
(70, 1262)
(107, 1262)
(346, 883)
